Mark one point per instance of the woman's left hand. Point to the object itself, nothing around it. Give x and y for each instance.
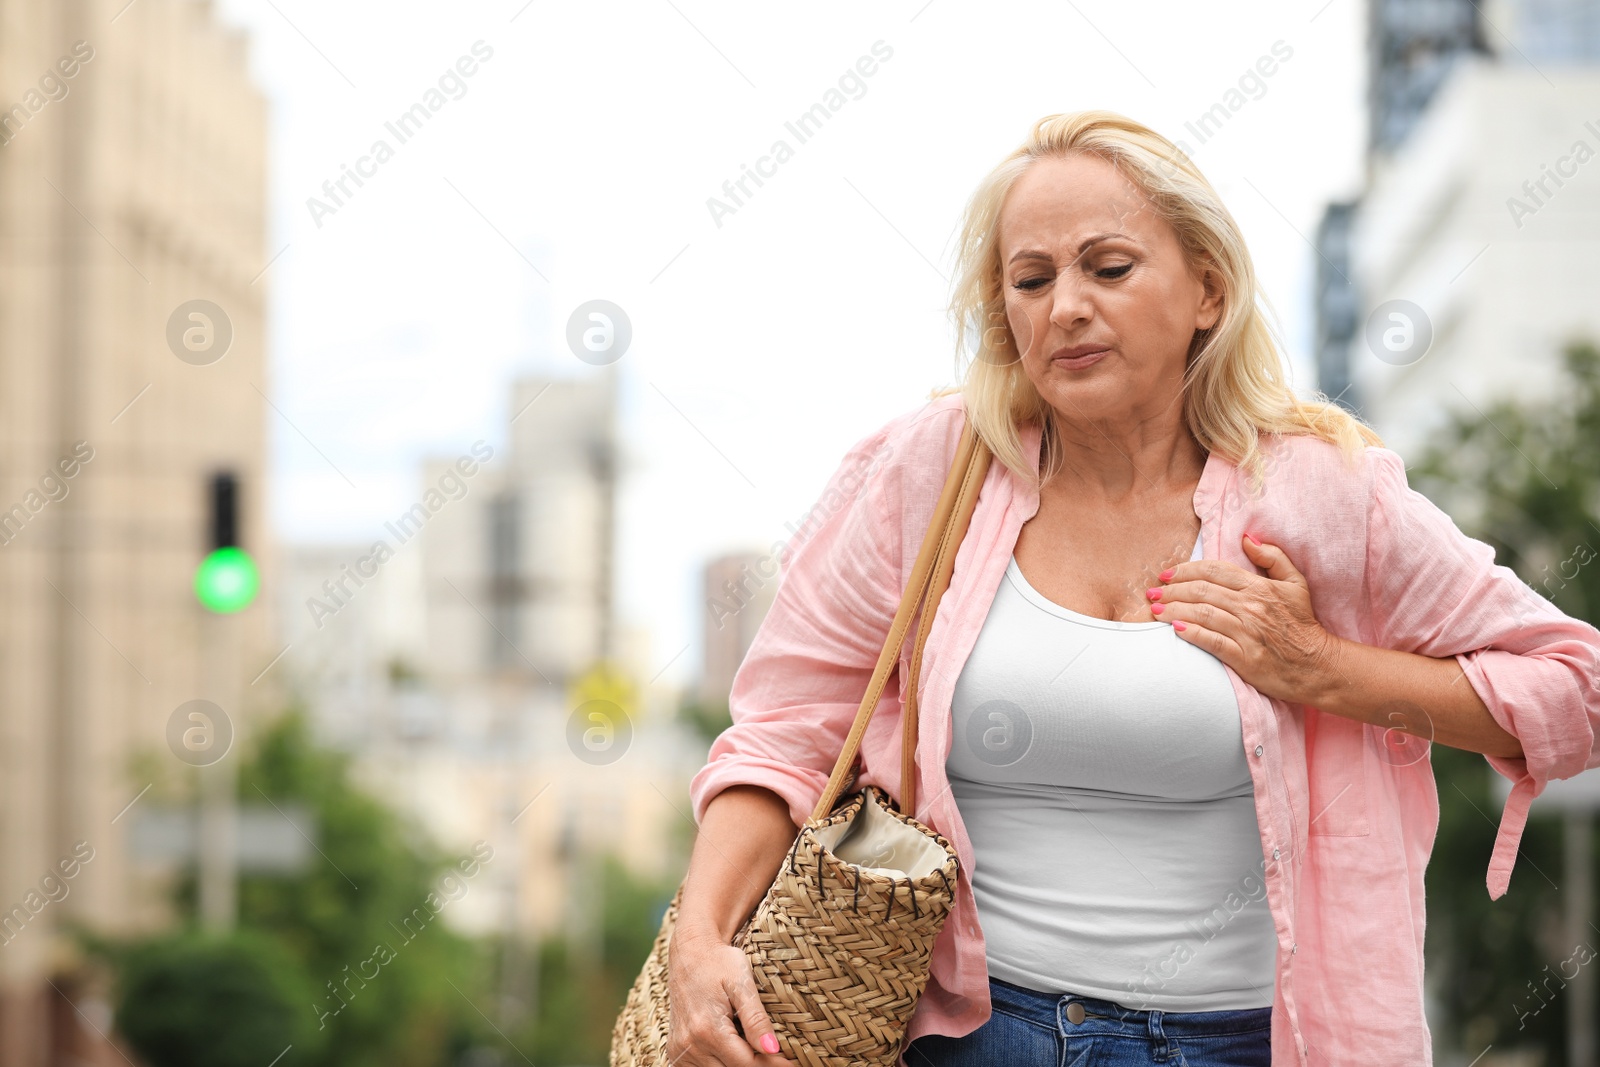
(1261, 626)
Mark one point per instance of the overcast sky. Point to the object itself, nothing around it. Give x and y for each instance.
(576, 161)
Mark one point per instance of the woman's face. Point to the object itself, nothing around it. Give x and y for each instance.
(1087, 263)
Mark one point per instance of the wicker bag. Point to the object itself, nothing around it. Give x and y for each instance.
(840, 944)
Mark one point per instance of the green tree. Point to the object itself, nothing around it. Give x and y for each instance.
(1524, 478)
(355, 949)
(705, 719)
(388, 982)
(366, 903)
(198, 1001)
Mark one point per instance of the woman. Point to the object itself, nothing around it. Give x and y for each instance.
(1178, 697)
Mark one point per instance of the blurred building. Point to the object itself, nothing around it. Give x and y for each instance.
(460, 672)
(519, 582)
(739, 588)
(1485, 224)
(1457, 274)
(1555, 32)
(1337, 304)
(351, 668)
(1412, 48)
(124, 194)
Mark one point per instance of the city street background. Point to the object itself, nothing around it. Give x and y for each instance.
(401, 405)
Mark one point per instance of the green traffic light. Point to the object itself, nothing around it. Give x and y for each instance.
(226, 581)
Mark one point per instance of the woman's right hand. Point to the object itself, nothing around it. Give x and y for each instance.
(708, 983)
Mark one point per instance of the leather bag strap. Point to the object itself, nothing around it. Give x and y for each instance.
(944, 566)
(930, 575)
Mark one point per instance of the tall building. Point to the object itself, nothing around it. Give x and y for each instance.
(461, 672)
(1412, 47)
(1336, 302)
(1550, 31)
(1476, 247)
(1435, 289)
(132, 183)
(519, 581)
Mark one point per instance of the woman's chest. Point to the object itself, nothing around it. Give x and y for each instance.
(1099, 561)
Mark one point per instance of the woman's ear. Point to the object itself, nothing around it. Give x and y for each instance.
(1210, 309)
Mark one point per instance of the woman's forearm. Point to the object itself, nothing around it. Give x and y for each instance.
(1421, 695)
(744, 835)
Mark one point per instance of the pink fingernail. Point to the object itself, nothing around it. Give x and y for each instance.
(1153, 594)
(1157, 609)
(1253, 540)
(1179, 625)
(769, 1043)
(1166, 574)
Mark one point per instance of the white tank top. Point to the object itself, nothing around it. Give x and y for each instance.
(1100, 772)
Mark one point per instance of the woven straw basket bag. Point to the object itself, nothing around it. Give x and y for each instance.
(840, 944)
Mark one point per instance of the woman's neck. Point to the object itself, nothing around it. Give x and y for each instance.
(1118, 464)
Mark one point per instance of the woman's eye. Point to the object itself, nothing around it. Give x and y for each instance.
(1114, 272)
(1028, 285)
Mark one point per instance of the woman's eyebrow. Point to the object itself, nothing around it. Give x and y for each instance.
(1031, 253)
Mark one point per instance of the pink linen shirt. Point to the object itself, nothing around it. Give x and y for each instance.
(1347, 811)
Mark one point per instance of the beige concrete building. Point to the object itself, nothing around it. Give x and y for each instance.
(132, 179)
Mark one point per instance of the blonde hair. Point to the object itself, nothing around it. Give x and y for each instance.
(1233, 385)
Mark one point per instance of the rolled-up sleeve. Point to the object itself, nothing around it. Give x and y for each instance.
(1435, 591)
(799, 686)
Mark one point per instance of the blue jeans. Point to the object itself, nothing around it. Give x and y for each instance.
(1033, 1029)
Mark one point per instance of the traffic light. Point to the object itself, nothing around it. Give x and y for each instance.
(226, 580)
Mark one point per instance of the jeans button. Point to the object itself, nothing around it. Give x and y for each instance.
(1259, 750)
(1274, 853)
(1075, 1013)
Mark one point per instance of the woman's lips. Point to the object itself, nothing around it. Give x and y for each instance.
(1085, 360)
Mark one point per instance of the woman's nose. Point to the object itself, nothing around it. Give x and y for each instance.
(1071, 306)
